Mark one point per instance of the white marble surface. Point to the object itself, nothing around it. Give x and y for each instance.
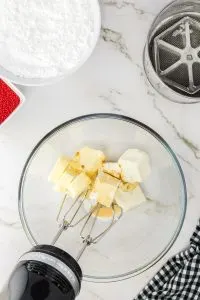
(112, 80)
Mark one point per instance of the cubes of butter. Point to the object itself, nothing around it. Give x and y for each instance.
(105, 188)
(63, 183)
(107, 212)
(78, 185)
(64, 173)
(112, 168)
(58, 169)
(72, 169)
(135, 166)
(90, 159)
(127, 187)
(130, 199)
(74, 186)
(114, 185)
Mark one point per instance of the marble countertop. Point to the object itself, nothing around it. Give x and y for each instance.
(113, 80)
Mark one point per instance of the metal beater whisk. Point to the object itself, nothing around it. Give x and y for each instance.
(71, 219)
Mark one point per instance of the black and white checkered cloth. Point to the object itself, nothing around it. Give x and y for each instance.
(179, 279)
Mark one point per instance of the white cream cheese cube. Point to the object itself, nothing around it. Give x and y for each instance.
(129, 200)
(135, 166)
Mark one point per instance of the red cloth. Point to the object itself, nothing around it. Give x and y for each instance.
(9, 101)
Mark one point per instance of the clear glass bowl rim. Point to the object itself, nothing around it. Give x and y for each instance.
(22, 214)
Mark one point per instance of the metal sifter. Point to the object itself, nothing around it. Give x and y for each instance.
(172, 52)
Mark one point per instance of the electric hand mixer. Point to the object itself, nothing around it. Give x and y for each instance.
(47, 272)
(119, 249)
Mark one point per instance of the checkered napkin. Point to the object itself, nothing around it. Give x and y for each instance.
(179, 279)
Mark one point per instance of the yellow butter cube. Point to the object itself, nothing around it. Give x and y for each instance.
(105, 188)
(58, 169)
(63, 183)
(91, 160)
(112, 169)
(107, 212)
(127, 187)
(79, 185)
(74, 168)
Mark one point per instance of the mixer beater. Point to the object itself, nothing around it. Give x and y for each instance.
(72, 218)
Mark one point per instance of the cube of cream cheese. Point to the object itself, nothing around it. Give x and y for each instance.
(58, 169)
(105, 188)
(78, 185)
(112, 168)
(131, 199)
(90, 159)
(135, 165)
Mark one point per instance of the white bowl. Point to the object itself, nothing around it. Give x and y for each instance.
(47, 81)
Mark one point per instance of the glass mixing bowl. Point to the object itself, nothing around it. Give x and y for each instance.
(144, 234)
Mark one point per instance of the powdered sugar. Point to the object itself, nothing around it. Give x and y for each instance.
(45, 38)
